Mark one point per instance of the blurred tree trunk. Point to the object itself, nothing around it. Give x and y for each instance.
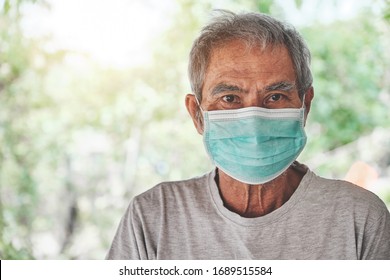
(70, 202)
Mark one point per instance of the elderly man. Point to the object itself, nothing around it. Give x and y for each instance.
(252, 91)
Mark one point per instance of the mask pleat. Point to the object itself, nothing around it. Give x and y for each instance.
(255, 144)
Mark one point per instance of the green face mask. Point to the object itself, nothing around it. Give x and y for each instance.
(254, 145)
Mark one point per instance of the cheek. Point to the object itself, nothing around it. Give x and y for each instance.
(211, 105)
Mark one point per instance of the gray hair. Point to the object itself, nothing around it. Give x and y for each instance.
(256, 30)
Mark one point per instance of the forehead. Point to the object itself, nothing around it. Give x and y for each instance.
(236, 58)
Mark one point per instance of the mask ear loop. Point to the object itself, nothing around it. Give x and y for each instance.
(303, 108)
(197, 102)
(201, 113)
(303, 101)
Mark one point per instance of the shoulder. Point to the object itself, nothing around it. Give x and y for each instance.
(340, 189)
(171, 193)
(345, 196)
(174, 188)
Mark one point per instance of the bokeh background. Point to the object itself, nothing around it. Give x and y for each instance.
(92, 108)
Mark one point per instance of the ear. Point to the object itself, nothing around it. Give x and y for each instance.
(194, 111)
(308, 98)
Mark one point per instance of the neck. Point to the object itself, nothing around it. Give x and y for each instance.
(258, 200)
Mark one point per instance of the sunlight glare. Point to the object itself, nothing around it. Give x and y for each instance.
(116, 33)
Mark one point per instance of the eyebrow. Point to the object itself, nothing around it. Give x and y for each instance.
(281, 86)
(278, 86)
(222, 87)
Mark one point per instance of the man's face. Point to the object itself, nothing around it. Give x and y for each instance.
(240, 77)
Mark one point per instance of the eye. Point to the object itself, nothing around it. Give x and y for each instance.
(279, 100)
(276, 97)
(230, 98)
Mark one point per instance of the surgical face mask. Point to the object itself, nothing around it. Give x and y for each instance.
(254, 145)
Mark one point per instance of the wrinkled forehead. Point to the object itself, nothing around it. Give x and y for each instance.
(247, 43)
(237, 51)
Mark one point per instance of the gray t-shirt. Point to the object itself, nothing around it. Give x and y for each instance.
(323, 219)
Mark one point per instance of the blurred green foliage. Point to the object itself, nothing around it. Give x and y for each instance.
(16, 160)
(78, 140)
(386, 12)
(349, 73)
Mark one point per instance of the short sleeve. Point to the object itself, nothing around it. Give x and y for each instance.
(124, 246)
(376, 241)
